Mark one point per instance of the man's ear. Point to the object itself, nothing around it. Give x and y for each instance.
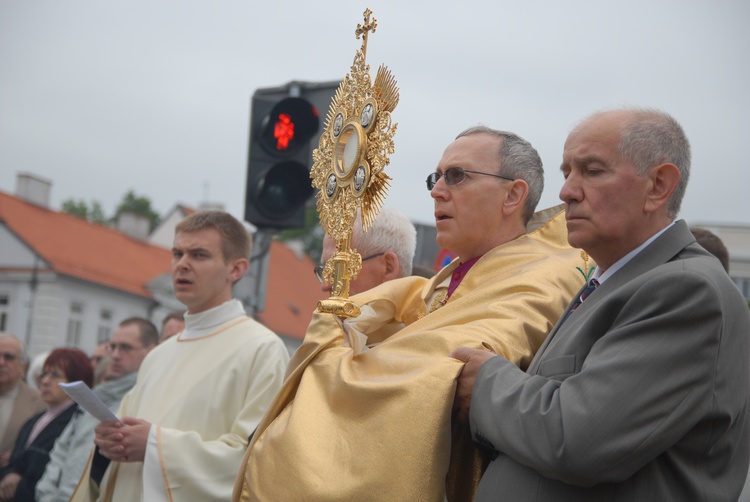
(516, 197)
(392, 268)
(663, 182)
(239, 267)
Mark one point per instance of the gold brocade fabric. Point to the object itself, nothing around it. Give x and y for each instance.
(377, 425)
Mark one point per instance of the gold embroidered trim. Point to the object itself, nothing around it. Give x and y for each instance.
(85, 470)
(111, 480)
(214, 333)
(161, 463)
(440, 300)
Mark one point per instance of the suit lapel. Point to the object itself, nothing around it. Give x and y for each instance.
(662, 250)
(535, 362)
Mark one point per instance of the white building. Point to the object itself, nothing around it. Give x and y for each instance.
(65, 281)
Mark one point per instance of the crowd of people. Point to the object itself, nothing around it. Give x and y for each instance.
(46, 446)
(596, 350)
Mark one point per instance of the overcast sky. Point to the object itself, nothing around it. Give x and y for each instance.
(105, 96)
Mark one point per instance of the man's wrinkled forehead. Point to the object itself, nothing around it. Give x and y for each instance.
(609, 124)
(598, 135)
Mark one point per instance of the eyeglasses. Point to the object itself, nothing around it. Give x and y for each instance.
(457, 175)
(122, 347)
(8, 356)
(319, 269)
(53, 375)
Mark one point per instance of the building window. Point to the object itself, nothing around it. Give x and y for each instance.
(105, 326)
(75, 322)
(4, 302)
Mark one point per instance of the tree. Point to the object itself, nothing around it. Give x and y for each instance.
(138, 205)
(93, 213)
(311, 235)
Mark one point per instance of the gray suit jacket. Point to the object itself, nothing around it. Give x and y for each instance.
(641, 394)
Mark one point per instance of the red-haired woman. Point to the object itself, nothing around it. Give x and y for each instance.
(37, 436)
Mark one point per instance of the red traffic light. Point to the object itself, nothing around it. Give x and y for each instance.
(283, 131)
(285, 127)
(290, 126)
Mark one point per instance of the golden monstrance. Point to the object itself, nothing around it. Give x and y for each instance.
(348, 166)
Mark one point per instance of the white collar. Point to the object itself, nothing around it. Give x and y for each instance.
(603, 276)
(203, 323)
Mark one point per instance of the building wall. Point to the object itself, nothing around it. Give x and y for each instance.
(14, 295)
(427, 249)
(44, 315)
(18, 267)
(41, 307)
(13, 252)
(44, 319)
(163, 234)
(101, 309)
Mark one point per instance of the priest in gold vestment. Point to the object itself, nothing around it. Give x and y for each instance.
(365, 412)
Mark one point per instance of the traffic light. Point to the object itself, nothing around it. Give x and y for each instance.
(285, 127)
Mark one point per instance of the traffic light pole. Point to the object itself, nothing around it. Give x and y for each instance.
(258, 270)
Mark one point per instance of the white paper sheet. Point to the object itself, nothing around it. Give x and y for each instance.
(81, 394)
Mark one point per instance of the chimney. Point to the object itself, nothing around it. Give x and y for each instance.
(133, 225)
(34, 189)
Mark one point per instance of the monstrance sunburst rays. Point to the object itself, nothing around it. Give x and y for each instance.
(349, 166)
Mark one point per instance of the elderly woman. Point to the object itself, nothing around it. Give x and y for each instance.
(37, 436)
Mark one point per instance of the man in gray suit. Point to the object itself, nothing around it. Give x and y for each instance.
(640, 392)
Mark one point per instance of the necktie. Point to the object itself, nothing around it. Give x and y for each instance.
(593, 284)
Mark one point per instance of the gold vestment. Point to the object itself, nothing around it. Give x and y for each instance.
(373, 422)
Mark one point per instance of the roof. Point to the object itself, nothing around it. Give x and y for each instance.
(98, 254)
(292, 292)
(77, 248)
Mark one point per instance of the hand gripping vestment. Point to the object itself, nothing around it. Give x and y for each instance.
(373, 421)
(206, 395)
